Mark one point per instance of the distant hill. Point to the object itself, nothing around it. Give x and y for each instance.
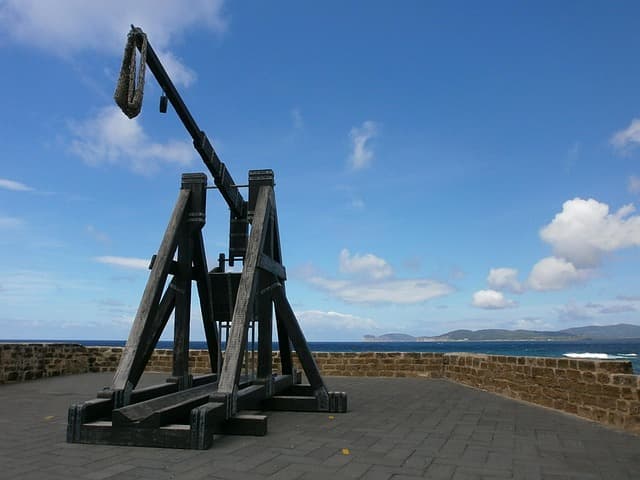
(593, 332)
(390, 337)
(621, 330)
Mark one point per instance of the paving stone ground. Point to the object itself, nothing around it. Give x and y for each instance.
(396, 429)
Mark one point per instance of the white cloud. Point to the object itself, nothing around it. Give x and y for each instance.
(615, 309)
(491, 300)
(580, 235)
(111, 138)
(573, 312)
(629, 298)
(362, 154)
(7, 222)
(532, 323)
(367, 265)
(31, 287)
(334, 326)
(97, 235)
(334, 320)
(634, 184)
(388, 291)
(179, 73)
(371, 281)
(15, 186)
(585, 230)
(504, 279)
(68, 27)
(553, 273)
(125, 262)
(629, 138)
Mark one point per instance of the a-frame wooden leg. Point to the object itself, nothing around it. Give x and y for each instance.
(244, 308)
(284, 345)
(154, 330)
(206, 303)
(132, 355)
(290, 323)
(264, 314)
(180, 369)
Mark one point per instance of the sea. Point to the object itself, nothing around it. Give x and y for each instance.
(609, 350)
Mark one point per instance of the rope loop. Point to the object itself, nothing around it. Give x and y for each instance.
(129, 90)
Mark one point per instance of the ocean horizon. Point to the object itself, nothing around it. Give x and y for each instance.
(601, 350)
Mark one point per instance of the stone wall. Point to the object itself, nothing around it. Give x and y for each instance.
(27, 361)
(361, 364)
(600, 390)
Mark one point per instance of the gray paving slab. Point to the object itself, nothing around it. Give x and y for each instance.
(395, 429)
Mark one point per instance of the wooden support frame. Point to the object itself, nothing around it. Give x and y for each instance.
(188, 411)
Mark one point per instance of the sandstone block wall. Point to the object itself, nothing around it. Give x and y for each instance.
(604, 391)
(600, 390)
(27, 361)
(378, 364)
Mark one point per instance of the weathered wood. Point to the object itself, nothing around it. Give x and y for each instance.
(270, 265)
(202, 423)
(173, 268)
(338, 402)
(202, 379)
(206, 303)
(224, 289)
(89, 411)
(180, 370)
(186, 412)
(251, 397)
(244, 424)
(244, 301)
(293, 403)
(282, 383)
(152, 332)
(264, 313)
(153, 290)
(221, 176)
(153, 391)
(299, 390)
(140, 413)
(284, 345)
(288, 318)
(103, 433)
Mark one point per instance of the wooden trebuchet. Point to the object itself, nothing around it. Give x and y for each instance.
(188, 410)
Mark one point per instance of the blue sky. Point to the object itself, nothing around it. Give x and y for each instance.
(439, 165)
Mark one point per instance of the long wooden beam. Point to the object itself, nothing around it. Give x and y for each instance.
(218, 169)
(244, 308)
(287, 317)
(203, 282)
(122, 379)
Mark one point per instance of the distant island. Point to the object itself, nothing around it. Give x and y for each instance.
(593, 332)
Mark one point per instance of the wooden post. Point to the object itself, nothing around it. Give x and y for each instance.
(265, 329)
(243, 310)
(180, 371)
(123, 380)
(194, 220)
(284, 345)
(206, 303)
(288, 318)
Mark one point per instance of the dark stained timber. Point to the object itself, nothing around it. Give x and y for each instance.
(187, 411)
